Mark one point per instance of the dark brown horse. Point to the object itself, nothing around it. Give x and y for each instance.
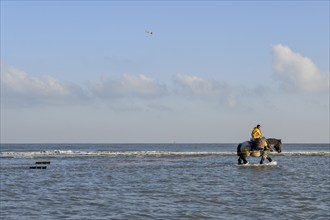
(245, 149)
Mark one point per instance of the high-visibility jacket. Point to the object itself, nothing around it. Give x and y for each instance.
(256, 133)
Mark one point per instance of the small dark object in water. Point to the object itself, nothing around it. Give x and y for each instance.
(43, 162)
(38, 167)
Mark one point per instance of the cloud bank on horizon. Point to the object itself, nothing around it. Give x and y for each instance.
(293, 71)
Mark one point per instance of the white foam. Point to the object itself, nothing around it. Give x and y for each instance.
(273, 163)
(304, 153)
(70, 153)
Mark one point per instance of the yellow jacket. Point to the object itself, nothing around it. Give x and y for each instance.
(256, 133)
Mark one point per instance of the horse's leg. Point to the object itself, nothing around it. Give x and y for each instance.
(269, 159)
(244, 160)
(262, 159)
(239, 154)
(241, 159)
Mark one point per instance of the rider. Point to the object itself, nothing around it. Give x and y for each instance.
(256, 137)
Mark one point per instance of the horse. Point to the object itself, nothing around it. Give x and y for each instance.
(245, 149)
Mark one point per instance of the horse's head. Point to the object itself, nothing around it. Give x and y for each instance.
(275, 143)
(278, 146)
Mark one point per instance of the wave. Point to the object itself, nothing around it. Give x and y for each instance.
(70, 153)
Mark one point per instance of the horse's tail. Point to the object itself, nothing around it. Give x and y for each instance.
(239, 149)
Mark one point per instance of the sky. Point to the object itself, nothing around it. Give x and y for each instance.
(91, 72)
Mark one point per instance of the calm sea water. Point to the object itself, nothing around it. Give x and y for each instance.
(162, 181)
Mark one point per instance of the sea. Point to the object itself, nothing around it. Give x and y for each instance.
(162, 181)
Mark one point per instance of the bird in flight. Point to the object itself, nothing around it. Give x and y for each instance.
(148, 32)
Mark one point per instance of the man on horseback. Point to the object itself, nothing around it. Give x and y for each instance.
(258, 146)
(258, 142)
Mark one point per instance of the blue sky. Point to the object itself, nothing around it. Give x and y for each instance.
(87, 71)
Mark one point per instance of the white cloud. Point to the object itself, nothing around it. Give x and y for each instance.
(297, 72)
(19, 86)
(198, 86)
(129, 85)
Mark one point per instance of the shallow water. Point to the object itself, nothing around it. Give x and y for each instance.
(162, 182)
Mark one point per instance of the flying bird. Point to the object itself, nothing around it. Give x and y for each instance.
(148, 32)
